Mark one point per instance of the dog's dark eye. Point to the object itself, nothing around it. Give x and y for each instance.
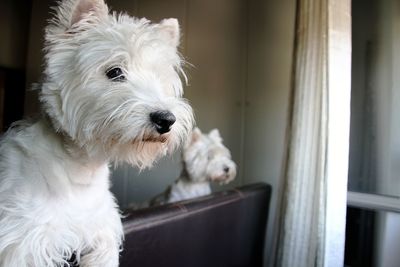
(115, 74)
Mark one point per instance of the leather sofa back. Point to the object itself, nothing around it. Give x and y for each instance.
(226, 229)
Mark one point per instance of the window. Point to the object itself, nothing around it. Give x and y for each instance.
(373, 218)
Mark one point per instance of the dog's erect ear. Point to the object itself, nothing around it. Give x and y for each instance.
(85, 8)
(169, 28)
(214, 134)
(70, 12)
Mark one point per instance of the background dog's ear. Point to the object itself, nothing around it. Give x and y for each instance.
(194, 137)
(70, 12)
(214, 134)
(170, 29)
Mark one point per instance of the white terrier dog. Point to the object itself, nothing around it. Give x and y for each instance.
(111, 92)
(205, 160)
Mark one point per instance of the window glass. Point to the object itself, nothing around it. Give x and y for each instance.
(375, 120)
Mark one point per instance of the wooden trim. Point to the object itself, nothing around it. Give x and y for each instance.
(339, 83)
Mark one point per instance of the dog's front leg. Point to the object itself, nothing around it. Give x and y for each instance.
(104, 252)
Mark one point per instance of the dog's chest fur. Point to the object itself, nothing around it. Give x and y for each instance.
(186, 189)
(64, 199)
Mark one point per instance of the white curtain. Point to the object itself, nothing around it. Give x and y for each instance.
(314, 205)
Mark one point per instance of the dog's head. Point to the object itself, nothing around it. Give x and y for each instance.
(112, 82)
(207, 159)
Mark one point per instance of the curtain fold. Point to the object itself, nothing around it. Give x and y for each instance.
(316, 166)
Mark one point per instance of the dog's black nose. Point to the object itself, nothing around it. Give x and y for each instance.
(226, 169)
(162, 120)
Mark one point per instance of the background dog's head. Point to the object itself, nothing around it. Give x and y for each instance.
(112, 82)
(207, 159)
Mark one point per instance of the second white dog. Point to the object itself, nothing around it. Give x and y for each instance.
(205, 160)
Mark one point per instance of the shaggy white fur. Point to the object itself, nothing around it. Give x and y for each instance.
(111, 92)
(205, 160)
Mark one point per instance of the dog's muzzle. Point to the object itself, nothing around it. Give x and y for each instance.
(162, 121)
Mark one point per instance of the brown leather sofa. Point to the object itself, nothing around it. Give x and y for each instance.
(226, 229)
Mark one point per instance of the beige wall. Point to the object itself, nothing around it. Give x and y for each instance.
(271, 39)
(241, 54)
